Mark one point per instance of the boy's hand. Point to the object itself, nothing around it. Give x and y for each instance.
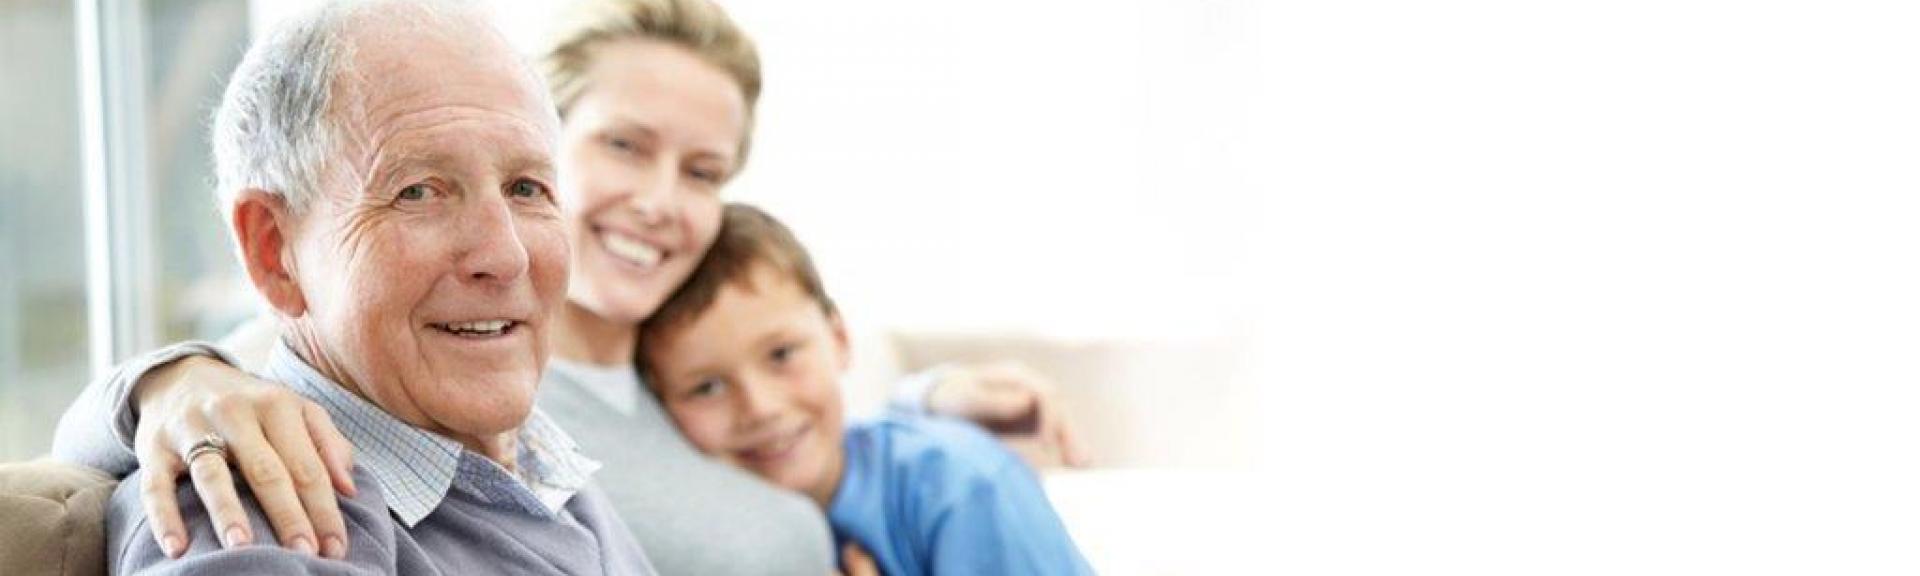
(284, 446)
(1017, 404)
(856, 561)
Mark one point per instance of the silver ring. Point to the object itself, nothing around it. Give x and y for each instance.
(209, 444)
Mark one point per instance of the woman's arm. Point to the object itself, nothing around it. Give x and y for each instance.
(97, 430)
(285, 447)
(131, 551)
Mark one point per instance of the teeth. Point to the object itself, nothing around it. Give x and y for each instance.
(479, 327)
(624, 247)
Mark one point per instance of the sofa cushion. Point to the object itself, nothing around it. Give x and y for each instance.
(55, 519)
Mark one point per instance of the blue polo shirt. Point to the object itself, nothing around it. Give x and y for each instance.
(932, 496)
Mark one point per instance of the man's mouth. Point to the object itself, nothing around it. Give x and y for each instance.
(632, 250)
(478, 328)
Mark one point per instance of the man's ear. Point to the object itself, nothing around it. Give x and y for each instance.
(262, 225)
(843, 344)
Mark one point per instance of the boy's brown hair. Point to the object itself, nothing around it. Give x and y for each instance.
(749, 238)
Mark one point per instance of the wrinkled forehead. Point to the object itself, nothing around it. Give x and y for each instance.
(411, 68)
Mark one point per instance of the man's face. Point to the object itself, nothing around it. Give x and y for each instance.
(754, 382)
(431, 265)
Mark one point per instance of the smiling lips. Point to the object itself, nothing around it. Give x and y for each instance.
(775, 449)
(478, 328)
(633, 250)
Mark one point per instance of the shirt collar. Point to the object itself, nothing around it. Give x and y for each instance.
(416, 468)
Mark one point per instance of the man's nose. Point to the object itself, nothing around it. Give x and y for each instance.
(492, 250)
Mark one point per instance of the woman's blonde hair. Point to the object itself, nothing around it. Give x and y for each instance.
(699, 26)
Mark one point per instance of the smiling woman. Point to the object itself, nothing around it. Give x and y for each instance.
(643, 157)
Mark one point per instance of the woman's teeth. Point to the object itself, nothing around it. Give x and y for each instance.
(626, 248)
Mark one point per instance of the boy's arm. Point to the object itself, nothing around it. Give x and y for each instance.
(1016, 403)
(97, 430)
(1002, 523)
(910, 392)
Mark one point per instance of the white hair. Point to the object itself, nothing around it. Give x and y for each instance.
(278, 128)
(272, 131)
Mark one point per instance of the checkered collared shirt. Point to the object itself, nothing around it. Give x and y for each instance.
(415, 468)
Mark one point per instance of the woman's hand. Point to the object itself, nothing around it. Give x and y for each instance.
(1017, 404)
(285, 446)
(856, 561)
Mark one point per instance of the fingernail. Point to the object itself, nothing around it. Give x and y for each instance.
(172, 545)
(302, 544)
(335, 548)
(236, 537)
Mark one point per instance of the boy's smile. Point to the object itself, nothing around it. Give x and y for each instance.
(775, 449)
(754, 381)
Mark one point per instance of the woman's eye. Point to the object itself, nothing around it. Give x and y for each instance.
(621, 144)
(781, 354)
(707, 176)
(527, 189)
(414, 192)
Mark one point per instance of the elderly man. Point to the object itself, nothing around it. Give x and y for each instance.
(386, 169)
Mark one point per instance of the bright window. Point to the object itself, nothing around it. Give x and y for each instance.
(161, 67)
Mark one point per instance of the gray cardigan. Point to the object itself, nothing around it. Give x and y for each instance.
(463, 536)
(693, 515)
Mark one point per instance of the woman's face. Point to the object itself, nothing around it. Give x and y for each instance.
(643, 154)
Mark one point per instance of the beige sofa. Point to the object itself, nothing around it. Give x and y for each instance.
(51, 519)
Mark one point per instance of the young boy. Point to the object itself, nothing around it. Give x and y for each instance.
(747, 357)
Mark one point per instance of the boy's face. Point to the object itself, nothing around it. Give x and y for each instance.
(754, 382)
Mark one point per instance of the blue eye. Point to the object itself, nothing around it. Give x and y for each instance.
(525, 188)
(414, 192)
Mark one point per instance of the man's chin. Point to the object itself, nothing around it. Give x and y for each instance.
(480, 407)
(477, 432)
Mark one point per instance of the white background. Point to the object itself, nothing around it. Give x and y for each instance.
(1535, 287)
(1593, 288)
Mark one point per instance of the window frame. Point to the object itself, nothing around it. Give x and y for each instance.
(122, 315)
